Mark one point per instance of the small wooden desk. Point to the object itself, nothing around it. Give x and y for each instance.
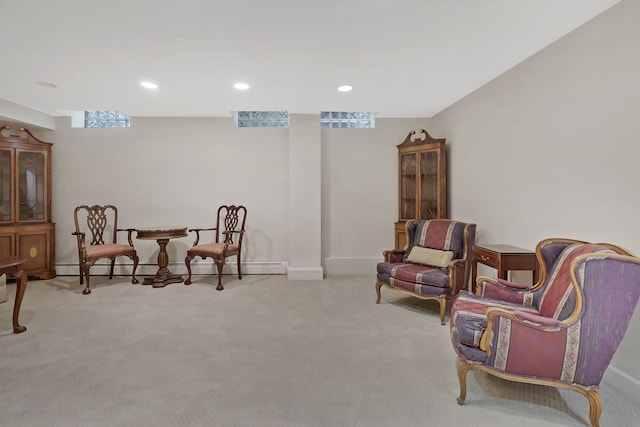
(12, 267)
(503, 258)
(162, 235)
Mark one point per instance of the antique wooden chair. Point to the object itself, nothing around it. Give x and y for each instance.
(101, 224)
(436, 263)
(563, 331)
(229, 231)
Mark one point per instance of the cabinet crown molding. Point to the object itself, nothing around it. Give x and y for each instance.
(413, 140)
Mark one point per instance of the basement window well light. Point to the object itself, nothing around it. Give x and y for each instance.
(346, 119)
(106, 119)
(261, 119)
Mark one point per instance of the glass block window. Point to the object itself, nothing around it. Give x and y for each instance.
(106, 119)
(345, 119)
(261, 119)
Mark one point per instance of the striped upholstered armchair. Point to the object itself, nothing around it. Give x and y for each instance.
(563, 331)
(435, 265)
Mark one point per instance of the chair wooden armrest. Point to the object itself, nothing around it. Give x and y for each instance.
(198, 230)
(129, 231)
(233, 231)
(393, 255)
(81, 236)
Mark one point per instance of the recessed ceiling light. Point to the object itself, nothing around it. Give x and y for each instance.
(148, 85)
(241, 86)
(345, 88)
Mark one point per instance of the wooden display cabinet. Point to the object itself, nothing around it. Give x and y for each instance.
(26, 229)
(422, 191)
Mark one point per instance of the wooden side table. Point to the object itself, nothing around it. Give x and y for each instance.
(162, 235)
(12, 267)
(503, 258)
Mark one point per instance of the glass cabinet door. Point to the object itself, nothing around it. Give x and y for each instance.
(408, 193)
(31, 186)
(5, 186)
(429, 185)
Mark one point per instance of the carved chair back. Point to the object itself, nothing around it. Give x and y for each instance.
(101, 222)
(231, 219)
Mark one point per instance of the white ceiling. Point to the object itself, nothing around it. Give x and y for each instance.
(404, 58)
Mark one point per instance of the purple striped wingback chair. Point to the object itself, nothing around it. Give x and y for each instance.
(563, 331)
(435, 265)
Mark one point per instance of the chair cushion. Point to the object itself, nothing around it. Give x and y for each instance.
(414, 274)
(428, 256)
(213, 249)
(414, 288)
(109, 250)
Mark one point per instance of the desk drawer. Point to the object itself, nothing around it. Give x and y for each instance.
(485, 257)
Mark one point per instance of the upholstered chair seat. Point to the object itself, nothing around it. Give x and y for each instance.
(216, 249)
(110, 249)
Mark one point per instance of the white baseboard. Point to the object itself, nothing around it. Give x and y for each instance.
(197, 267)
(622, 382)
(351, 266)
(331, 266)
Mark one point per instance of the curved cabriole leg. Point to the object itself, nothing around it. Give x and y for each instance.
(187, 262)
(113, 264)
(378, 286)
(87, 289)
(443, 308)
(21, 285)
(463, 368)
(595, 406)
(135, 266)
(219, 264)
(81, 272)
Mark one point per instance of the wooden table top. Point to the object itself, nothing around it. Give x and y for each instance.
(504, 249)
(161, 232)
(11, 261)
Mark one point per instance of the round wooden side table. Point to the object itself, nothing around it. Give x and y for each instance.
(162, 235)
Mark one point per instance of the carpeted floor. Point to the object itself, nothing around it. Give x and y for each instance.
(263, 352)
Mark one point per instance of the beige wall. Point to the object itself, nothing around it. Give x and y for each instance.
(178, 170)
(552, 147)
(174, 171)
(360, 193)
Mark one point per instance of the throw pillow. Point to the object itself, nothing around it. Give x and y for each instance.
(428, 256)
